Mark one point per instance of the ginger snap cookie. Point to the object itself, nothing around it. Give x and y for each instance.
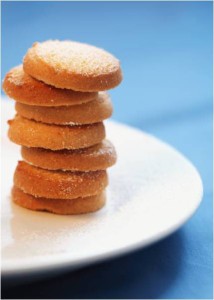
(58, 184)
(61, 104)
(25, 89)
(92, 112)
(73, 65)
(98, 157)
(30, 133)
(59, 206)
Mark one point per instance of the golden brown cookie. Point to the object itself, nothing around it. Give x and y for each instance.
(55, 137)
(87, 113)
(25, 89)
(59, 206)
(98, 157)
(58, 184)
(72, 65)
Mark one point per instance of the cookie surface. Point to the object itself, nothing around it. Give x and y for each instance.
(55, 137)
(25, 89)
(87, 113)
(59, 206)
(73, 65)
(98, 157)
(58, 184)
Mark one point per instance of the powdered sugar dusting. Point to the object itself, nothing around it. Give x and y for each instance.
(16, 76)
(75, 57)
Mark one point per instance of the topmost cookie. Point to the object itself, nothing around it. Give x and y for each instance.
(72, 65)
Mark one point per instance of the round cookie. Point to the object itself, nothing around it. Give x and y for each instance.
(25, 89)
(87, 113)
(59, 206)
(58, 184)
(98, 157)
(55, 137)
(73, 65)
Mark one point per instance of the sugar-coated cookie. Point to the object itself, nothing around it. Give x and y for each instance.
(25, 89)
(98, 157)
(58, 184)
(59, 206)
(73, 65)
(55, 137)
(87, 113)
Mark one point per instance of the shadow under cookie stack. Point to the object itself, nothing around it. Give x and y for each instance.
(61, 104)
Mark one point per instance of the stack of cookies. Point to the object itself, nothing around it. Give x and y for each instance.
(61, 105)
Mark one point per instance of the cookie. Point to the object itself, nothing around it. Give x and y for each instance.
(98, 157)
(25, 89)
(88, 113)
(73, 65)
(59, 206)
(58, 184)
(55, 137)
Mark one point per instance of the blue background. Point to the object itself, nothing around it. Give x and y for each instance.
(166, 53)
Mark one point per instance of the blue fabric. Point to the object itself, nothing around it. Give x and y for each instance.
(166, 54)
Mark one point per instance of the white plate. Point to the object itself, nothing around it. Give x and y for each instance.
(153, 191)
